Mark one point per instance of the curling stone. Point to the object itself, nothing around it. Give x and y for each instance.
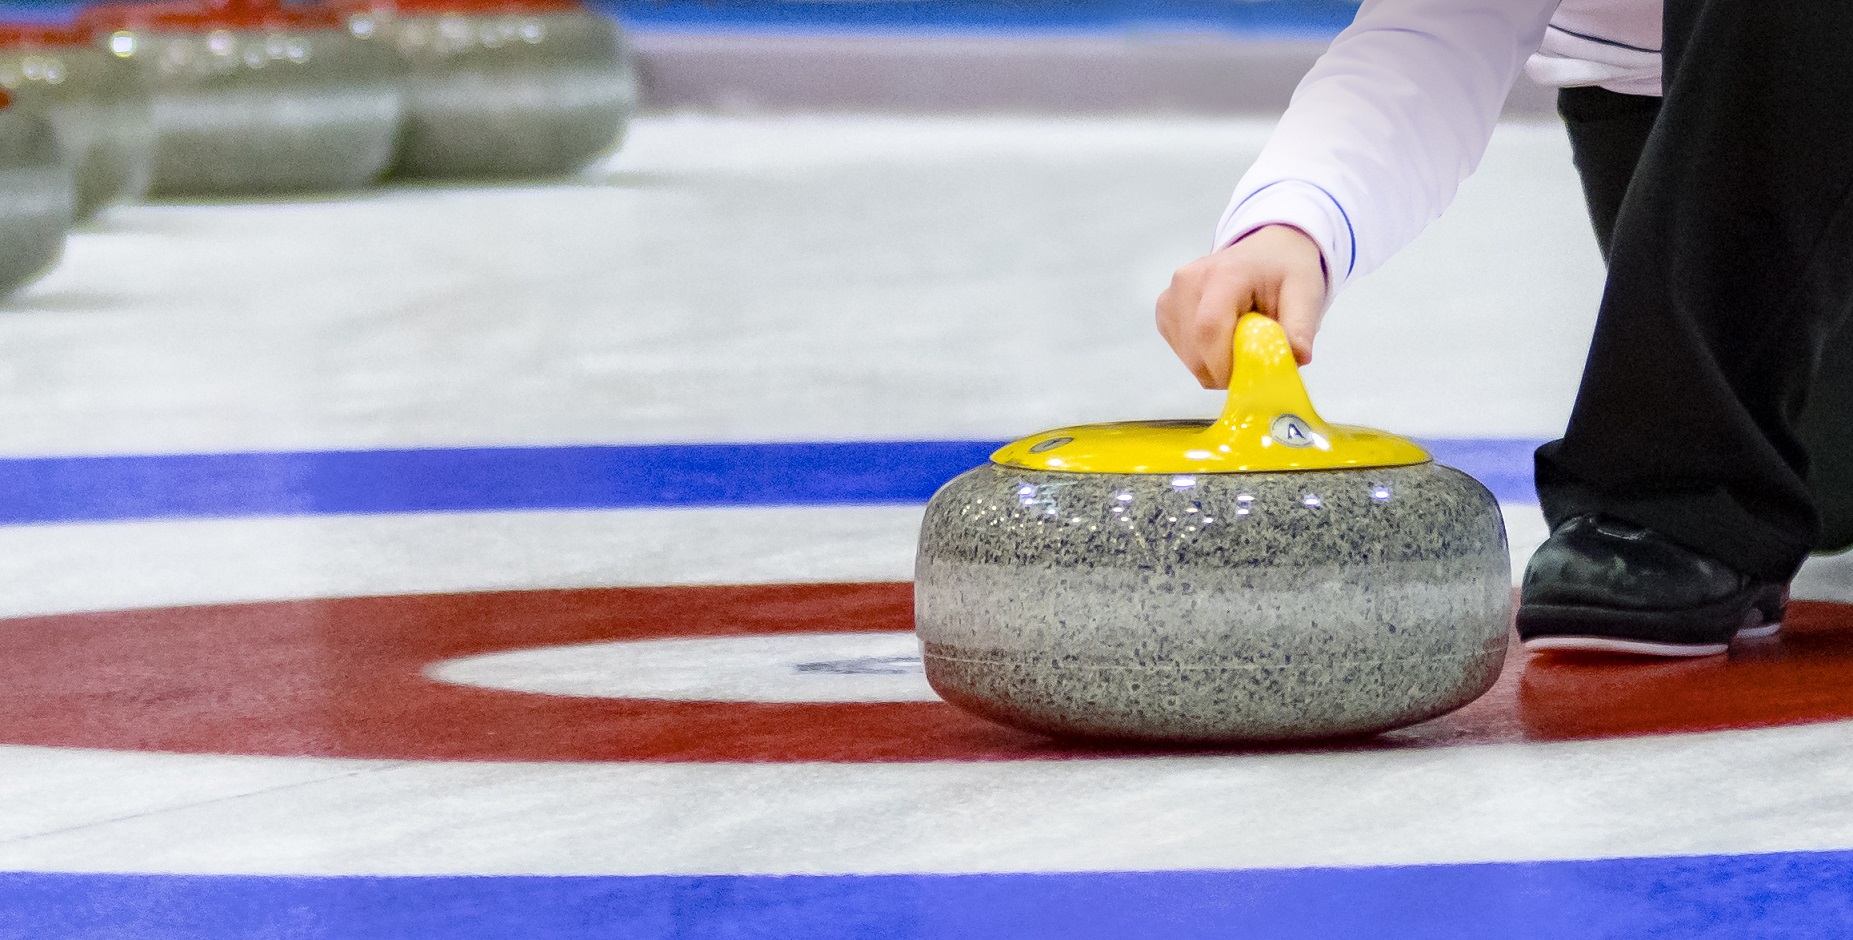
(96, 101)
(1263, 577)
(498, 89)
(35, 195)
(254, 97)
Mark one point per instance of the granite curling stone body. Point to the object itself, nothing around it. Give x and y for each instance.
(35, 196)
(95, 96)
(502, 89)
(254, 96)
(1265, 577)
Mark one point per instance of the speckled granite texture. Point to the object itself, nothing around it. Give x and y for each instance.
(1213, 608)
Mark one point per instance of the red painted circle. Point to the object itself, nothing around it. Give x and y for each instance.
(43, 35)
(464, 7)
(343, 678)
(204, 15)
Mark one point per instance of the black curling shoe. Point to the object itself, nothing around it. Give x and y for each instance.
(1602, 585)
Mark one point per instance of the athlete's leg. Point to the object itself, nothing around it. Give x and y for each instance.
(1827, 431)
(1731, 266)
(1608, 131)
(1682, 495)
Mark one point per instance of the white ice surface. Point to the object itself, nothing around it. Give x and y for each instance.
(788, 667)
(1723, 792)
(765, 279)
(53, 569)
(116, 566)
(741, 278)
(80, 810)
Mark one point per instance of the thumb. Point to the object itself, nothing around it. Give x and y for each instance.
(1300, 308)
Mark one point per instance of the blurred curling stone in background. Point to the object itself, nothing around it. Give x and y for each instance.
(252, 97)
(94, 96)
(35, 195)
(1265, 577)
(499, 89)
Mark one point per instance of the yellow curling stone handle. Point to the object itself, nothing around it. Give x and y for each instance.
(1267, 426)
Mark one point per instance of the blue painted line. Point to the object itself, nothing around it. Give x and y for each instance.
(1788, 895)
(191, 486)
(1504, 465)
(1272, 18)
(391, 481)
(1311, 19)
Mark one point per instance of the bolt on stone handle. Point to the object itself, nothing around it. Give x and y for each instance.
(1266, 394)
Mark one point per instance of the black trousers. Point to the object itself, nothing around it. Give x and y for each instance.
(1717, 403)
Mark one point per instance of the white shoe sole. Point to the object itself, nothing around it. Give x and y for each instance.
(1604, 644)
(1760, 631)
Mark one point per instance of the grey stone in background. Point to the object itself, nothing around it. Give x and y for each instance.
(98, 104)
(35, 197)
(514, 95)
(258, 111)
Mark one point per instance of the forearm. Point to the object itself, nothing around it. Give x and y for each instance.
(1385, 126)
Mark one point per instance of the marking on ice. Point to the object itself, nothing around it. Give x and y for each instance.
(792, 667)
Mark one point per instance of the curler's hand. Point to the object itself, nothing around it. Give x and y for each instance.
(1275, 270)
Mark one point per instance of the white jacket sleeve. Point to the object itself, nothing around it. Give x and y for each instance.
(1386, 125)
